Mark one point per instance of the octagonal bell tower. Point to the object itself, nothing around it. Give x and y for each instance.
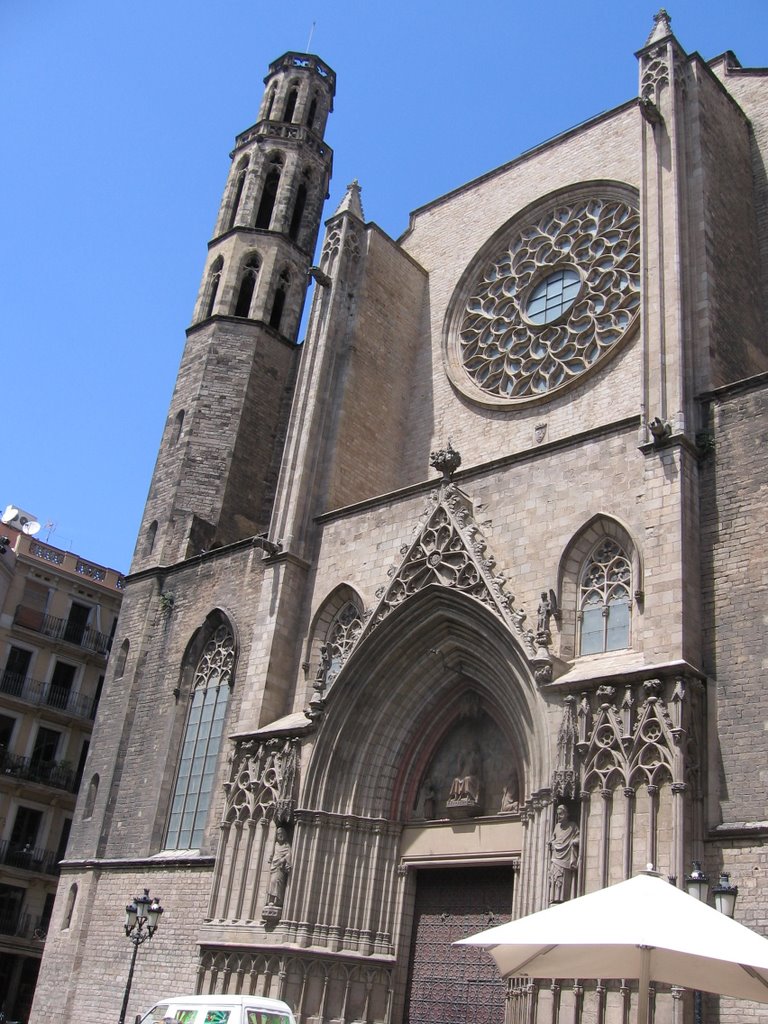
(214, 479)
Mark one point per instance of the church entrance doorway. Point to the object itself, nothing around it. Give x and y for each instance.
(456, 984)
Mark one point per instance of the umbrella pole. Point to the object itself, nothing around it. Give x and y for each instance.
(643, 985)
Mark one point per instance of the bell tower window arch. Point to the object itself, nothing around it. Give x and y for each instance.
(269, 195)
(278, 302)
(238, 192)
(247, 287)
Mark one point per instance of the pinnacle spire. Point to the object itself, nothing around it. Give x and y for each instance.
(662, 27)
(351, 202)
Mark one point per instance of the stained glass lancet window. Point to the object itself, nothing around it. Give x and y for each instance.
(202, 739)
(605, 599)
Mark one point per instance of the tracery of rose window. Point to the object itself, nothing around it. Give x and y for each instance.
(554, 300)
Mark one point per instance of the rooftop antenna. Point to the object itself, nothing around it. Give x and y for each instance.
(311, 33)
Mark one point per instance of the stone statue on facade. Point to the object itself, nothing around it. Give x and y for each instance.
(564, 857)
(464, 796)
(280, 865)
(547, 608)
(510, 797)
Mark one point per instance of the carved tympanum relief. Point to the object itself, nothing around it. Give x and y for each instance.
(473, 771)
(551, 301)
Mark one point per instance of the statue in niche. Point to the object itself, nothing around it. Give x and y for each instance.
(280, 864)
(564, 857)
(510, 798)
(464, 795)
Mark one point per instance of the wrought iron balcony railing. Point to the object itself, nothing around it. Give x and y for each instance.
(23, 926)
(62, 629)
(58, 774)
(35, 691)
(30, 858)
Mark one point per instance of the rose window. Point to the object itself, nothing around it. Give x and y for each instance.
(551, 302)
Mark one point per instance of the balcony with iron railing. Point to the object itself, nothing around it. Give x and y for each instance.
(58, 774)
(23, 926)
(63, 629)
(29, 858)
(35, 691)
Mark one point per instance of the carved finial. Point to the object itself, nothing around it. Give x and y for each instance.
(351, 202)
(661, 26)
(446, 461)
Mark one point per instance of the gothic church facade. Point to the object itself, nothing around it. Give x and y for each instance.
(454, 610)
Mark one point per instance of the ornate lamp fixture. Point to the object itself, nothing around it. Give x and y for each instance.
(697, 885)
(141, 919)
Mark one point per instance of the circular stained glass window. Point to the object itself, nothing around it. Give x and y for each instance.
(553, 296)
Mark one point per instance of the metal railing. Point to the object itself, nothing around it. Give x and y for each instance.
(30, 858)
(62, 629)
(23, 926)
(59, 774)
(35, 691)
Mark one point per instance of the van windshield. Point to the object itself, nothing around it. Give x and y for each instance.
(267, 1017)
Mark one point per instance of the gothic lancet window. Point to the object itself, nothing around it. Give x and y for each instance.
(312, 112)
(298, 211)
(239, 187)
(290, 106)
(268, 197)
(605, 590)
(278, 302)
(213, 285)
(270, 103)
(202, 739)
(247, 285)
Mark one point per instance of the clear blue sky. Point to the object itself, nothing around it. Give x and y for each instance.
(117, 120)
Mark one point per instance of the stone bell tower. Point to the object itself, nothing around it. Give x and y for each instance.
(215, 474)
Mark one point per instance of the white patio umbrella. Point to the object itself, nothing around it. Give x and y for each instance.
(643, 928)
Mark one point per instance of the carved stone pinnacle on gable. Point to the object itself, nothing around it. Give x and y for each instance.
(661, 26)
(446, 461)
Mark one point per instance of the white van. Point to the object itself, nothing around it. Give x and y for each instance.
(219, 1010)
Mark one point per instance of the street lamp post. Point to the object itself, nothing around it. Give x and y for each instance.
(141, 919)
(697, 885)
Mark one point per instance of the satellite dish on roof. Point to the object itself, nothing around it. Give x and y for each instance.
(21, 520)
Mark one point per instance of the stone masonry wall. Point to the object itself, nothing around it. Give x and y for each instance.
(735, 570)
(729, 310)
(388, 326)
(445, 236)
(86, 964)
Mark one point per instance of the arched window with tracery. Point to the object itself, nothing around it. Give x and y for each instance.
(341, 637)
(605, 599)
(202, 740)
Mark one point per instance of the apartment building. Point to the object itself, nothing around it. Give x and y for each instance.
(58, 613)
